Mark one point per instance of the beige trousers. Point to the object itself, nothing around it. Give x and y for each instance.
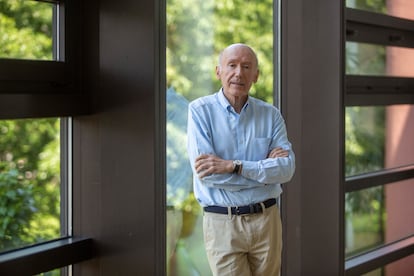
(244, 245)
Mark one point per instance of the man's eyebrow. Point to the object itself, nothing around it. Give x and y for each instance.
(236, 60)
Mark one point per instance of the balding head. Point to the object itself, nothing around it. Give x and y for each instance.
(237, 71)
(238, 45)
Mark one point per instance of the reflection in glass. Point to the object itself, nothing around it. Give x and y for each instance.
(364, 139)
(398, 8)
(182, 208)
(378, 216)
(378, 138)
(376, 272)
(364, 220)
(399, 133)
(399, 60)
(365, 59)
(378, 6)
(26, 30)
(378, 60)
(29, 182)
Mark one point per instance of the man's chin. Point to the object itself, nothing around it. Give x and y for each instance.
(237, 92)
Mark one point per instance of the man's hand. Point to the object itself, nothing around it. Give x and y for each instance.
(207, 164)
(278, 152)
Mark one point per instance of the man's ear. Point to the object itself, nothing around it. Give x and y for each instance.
(218, 72)
(257, 76)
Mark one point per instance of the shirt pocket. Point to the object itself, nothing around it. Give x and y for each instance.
(260, 148)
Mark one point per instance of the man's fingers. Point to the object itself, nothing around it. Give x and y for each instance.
(278, 152)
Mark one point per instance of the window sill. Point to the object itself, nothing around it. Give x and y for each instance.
(380, 257)
(46, 256)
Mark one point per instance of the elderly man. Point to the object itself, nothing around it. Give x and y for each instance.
(240, 154)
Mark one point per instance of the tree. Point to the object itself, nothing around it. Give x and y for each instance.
(29, 181)
(29, 149)
(364, 144)
(26, 30)
(198, 30)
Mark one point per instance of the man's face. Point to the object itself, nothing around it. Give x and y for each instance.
(237, 70)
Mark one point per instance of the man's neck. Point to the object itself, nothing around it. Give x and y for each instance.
(236, 102)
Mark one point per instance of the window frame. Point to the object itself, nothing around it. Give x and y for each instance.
(312, 86)
(36, 89)
(370, 27)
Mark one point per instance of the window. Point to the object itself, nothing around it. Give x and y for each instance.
(30, 148)
(30, 182)
(196, 32)
(378, 133)
(27, 30)
(38, 94)
(395, 268)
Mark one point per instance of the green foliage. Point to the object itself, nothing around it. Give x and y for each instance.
(369, 5)
(249, 22)
(364, 139)
(365, 59)
(190, 47)
(364, 152)
(17, 207)
(198, 30)
(26, 30)
(29, 149)
(364, 145)
(29, 181)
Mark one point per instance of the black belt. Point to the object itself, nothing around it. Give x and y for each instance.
(242, 210)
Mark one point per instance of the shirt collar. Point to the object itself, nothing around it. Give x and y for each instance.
(225, 103)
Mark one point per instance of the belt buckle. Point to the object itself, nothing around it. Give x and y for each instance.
(237, 210)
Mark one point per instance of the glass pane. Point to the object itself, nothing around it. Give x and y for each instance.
(399, 135)
(26, 30)
(196, 32)
(364, 139)
(378, 215)
(365, 59)
(364, 220)
(378, 137)
(56, 272)
(402, 267)
(378, 60)
(378, 6)
(398, 8)
(377, 272)
(29, 182)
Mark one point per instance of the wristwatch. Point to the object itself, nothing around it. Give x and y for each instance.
(236, 166)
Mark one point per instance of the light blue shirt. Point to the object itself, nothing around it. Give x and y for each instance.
(215, 128)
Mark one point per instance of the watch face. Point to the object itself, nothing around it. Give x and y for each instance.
(237, 165)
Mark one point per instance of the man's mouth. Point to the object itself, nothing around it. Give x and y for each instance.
(237, 83)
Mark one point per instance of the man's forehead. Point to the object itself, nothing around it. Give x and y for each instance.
(239, 53)
(241, 59)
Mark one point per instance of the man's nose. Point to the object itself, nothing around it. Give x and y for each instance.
(238, 70)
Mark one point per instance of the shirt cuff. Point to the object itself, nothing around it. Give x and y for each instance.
(249, 169)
